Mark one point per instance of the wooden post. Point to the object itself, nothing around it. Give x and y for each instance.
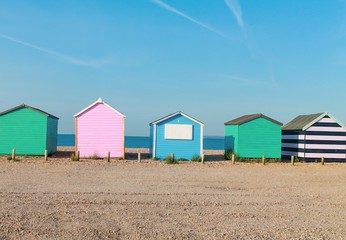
(78, 156)
(322, 160)
(172, 155)
(202, 158)
(292, 160)
(109, 157)
(264, 160)
(233, 159)
(46, 155)
(139, 157)
(13, 154)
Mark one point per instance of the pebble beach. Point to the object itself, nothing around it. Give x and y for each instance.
(124, 199)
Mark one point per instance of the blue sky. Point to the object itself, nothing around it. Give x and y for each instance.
(213, 59)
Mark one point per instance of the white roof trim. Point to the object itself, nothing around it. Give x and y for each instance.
(97, 102)
(322, 116)
(174, 114)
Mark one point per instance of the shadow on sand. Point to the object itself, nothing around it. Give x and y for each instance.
(62, 154)
(128, 156)
(214, 158)
(134, 156)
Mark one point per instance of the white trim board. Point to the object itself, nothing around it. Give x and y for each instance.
(97, 102)
(154, 141)
(322, 116)
(174, 114)
(201, 133)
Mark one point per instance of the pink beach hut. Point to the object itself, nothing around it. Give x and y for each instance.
(99, 129)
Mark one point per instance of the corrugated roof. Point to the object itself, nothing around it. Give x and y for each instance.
(174, 114)
(300, 122)
(248, 118)
(27, 106)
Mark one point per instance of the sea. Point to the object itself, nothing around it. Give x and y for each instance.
(209, 142)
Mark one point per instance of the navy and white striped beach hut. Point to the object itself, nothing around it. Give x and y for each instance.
(311, 137)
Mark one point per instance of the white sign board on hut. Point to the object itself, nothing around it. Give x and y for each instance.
(178, 131)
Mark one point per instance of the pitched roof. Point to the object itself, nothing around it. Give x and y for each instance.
(302, 122)
(27, 106)
(174, 114)
(99, 101)
(248, 118)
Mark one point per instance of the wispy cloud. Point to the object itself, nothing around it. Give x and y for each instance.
(235, 8)
(66, 58)
(250, 82)
(184, 15)
(254, 50)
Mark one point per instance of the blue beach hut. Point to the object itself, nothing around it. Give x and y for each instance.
(176, 133)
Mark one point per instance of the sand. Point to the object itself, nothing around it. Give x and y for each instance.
(124, 199)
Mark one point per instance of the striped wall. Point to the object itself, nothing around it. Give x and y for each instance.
(325, 138)
(100, 130)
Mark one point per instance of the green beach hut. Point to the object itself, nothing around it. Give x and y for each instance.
(28, 130)
(252, 136)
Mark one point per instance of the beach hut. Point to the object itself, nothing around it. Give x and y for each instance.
(99, 129)
(28, 130)
(176, 133)
(253, 136)
(311, 137)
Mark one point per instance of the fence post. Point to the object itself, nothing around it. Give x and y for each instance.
(233, 159)
(139, 157)
(322, 160)
(109, 157)
(202, 158)
(264, 160)
(292, 160)
(46, 154)
(13, 154)
(172, 155)
(78, 155)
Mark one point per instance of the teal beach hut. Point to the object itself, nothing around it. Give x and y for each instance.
(176, 133)
(253, 136)
(28, 130)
